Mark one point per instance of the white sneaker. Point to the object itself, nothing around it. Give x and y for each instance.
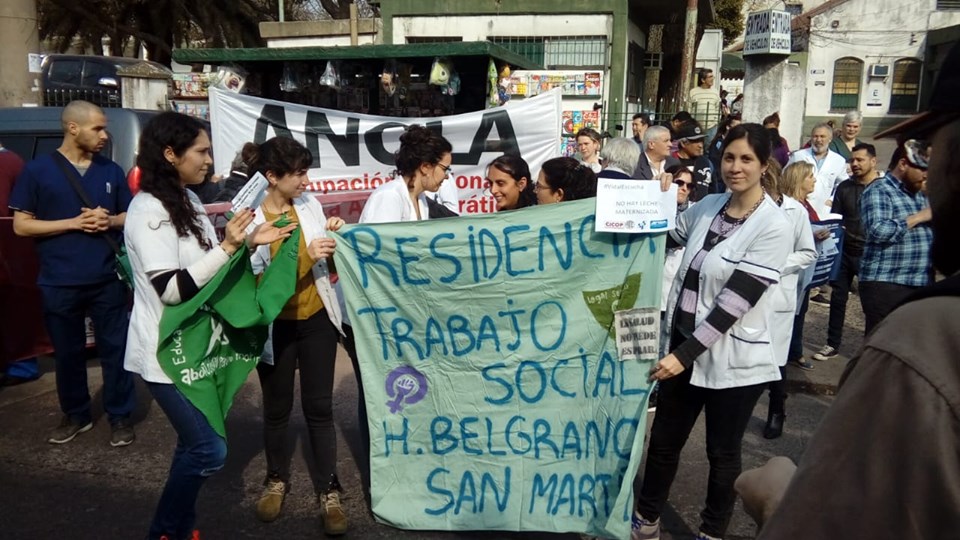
(641, 529)
(825, 353)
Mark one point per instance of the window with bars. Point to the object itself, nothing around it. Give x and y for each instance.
(558, 52)
(905, 93)
(946, 5)
(847, 75)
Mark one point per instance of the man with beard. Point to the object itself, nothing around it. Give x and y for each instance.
(846, 202)
(896, 223)
(78, 273)
(829, 167)
(895, 425)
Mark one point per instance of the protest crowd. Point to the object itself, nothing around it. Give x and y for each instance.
(760, 231)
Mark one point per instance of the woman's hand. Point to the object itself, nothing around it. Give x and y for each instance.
(334, 224)
(665, 180)
(668, 366)
(821, 234)
(321, 248)
(235, 232)
(268, 233)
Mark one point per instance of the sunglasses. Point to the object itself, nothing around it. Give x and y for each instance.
(681, 183)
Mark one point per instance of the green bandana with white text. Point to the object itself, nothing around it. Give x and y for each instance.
(210, 343)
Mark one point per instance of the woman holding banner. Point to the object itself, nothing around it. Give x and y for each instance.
(173, 253)
(304, 337)
(510, 183)
(423, 163)
(718, 332)
(565, 179)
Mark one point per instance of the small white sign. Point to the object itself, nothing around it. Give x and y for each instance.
(767, 32)
(34, 62)
(635, 206)
(250, 196)
(638, 333)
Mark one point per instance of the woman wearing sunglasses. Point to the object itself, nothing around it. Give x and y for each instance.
(423, 163)
(683, 179)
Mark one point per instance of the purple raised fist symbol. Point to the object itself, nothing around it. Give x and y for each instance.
(405, 385)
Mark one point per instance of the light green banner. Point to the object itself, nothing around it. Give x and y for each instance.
(488, 353)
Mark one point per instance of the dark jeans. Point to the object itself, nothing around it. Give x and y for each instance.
(678, 407)
(796, 339)
(311, 346)
(778, 394)
(849, 268)
(879, 298)
(200, 452)
(64, 309)
(351, 347)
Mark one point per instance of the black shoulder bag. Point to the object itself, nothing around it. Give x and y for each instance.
(124, 271)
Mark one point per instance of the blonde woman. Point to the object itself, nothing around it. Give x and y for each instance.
(784, 293)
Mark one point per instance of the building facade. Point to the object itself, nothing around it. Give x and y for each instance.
(868, 55)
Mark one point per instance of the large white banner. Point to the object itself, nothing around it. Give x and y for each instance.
(354, 152)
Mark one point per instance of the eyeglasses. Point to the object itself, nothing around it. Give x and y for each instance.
(541, 186)
(681, 183)
(448, 170)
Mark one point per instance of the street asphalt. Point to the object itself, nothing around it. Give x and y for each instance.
(86, 490)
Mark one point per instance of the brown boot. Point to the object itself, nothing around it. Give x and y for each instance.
(271, 500)
(331, 513)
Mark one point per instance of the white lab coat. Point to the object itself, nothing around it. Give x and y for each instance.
(391, 202)
(829, 175)
(744, 355)
(671, 264)
(313, 225)
(785, 294)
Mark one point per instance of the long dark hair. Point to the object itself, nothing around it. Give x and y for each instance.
(758, 138)
(517, 168)
(279, 155)
(575, 179)
(419, 145)
(160, 178)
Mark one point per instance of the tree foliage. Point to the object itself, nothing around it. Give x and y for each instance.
(729, 19)
(161, 25)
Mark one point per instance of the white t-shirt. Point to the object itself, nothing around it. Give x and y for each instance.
(153, 245)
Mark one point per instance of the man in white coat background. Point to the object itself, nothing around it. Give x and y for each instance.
(829, 167)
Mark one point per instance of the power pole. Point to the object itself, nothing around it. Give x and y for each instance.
(689, 50)
(18, 26)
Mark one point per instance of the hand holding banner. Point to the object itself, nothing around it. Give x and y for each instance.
(489, 357)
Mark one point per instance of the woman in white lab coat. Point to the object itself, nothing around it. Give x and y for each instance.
(718, 332)
(784, 294)
(423, 163)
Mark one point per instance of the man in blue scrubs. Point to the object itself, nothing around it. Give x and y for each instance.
(77, 267)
